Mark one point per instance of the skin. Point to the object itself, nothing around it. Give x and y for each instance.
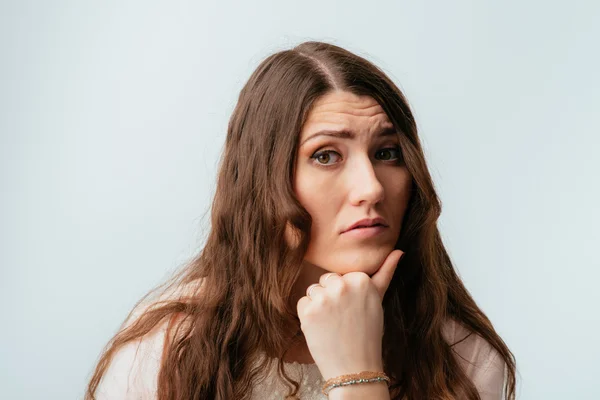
(362, 177)
(342, 322)
(357, 183)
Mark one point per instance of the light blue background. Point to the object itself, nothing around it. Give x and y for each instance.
(113, 115)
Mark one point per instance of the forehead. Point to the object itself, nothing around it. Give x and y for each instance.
(345, 110)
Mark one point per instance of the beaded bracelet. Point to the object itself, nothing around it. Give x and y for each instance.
(353, 379)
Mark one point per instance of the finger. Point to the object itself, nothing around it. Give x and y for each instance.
(301, 305)
(382, 278)
(313, 290)
(329, 278)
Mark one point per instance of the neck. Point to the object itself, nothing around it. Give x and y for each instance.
(310, 274)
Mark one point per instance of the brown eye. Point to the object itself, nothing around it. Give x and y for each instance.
(324, 157)
(388, 154)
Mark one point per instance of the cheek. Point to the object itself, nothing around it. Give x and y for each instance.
(398, 193)
(318, 196)
(322, 211)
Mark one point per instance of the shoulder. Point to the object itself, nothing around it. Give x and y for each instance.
(133, 371)
(479, 359)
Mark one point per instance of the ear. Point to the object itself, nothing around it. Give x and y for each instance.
(292, 235)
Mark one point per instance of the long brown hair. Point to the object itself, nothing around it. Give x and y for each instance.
(247, 268)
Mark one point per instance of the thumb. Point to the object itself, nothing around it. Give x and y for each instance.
(382, 278)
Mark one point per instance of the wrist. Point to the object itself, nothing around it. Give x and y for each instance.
(365, 384)
(375, 391)
(350, 369)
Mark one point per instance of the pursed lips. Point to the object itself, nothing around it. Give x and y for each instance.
(367, 223)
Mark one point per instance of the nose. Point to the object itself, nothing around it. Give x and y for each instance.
(365, 187)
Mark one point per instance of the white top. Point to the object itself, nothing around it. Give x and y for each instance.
(133, 372)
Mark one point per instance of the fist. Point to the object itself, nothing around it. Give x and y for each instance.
(342, 319)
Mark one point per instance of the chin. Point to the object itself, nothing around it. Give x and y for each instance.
(355, 260)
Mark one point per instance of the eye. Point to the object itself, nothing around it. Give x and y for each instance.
(323, 157)
(388, 154)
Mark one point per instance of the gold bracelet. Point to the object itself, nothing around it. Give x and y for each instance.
(353, 379)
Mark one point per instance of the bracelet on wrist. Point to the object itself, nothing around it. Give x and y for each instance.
(354, 379)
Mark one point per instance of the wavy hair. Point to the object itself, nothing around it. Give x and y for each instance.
(247, 268)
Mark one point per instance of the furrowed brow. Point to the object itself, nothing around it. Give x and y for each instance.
(347, 134)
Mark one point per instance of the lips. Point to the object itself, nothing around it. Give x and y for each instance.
(366, 226)
(366, 222)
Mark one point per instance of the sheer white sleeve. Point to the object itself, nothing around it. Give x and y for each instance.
(133, 372)
(481, 362)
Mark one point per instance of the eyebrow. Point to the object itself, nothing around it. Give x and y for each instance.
(348, 134)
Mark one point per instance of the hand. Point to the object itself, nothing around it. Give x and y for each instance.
(342, 320)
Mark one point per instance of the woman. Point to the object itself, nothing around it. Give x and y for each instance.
(323, 186)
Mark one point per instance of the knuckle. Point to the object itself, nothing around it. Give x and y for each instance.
(359, 279)
(310, 313)
(338, 290)
(301, 306)
(321, 301)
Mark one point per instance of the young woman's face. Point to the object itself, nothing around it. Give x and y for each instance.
(343, 178)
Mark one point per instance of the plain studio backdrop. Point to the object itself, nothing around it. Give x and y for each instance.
(113, 116)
